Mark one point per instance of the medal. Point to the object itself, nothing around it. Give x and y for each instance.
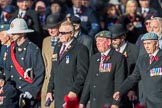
(5, 56)
(67, 59)
(105, 67)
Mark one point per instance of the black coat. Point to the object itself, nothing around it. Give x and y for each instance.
(28, 56)
(87, 41)
(68, 72)
(131, 56)
(151, 84)
(10, 96)
(100, 86)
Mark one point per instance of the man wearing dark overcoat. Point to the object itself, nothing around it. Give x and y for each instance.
(70, 66)
(148, 69)
(106, 73)
(130, 52)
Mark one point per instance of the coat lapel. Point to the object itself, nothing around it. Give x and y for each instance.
(70, 47)
(110, 54)
(98, 59)
(57, 50)
(159, 55)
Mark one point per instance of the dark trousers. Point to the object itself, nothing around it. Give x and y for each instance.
(32, 103)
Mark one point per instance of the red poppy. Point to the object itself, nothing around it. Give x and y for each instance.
(125, 54)
(107, 58)
(156, 58)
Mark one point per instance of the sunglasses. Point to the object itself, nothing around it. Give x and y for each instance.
(64, 33)
(147, 23)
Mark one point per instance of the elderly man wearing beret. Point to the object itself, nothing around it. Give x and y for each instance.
(148, 69)
(105, 75)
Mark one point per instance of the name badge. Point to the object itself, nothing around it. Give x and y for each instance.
(54, 57)
(67, 59)
(105, 67)
(156, 72)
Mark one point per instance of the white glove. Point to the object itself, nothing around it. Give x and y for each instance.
(27, 95)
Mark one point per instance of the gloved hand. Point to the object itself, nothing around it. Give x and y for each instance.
(27, 95)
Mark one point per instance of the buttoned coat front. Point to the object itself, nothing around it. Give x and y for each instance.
(100, 86)
(28, 56)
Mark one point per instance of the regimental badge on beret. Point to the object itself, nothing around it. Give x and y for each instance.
(104, 33)
(101, 34)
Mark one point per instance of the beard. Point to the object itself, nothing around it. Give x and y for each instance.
(159, 35)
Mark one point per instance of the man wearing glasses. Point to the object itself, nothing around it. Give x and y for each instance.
(70, 66)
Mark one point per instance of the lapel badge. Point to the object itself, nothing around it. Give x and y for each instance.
(67, 59)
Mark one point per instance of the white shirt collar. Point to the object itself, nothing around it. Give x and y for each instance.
(106, 52)
(155, 53)
(145, 9)
(22, 13)
(74, 8)
(68, 43)
(123, 46)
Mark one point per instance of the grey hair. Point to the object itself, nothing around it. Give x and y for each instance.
(159, 19)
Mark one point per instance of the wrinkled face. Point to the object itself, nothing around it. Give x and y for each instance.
(116, 42)
(151, 46)
(4, 38)
(144, 3)
(55, 8)
(103, 44)
(53, 31)
(77, 3)
(24, 5)
(65, 33)
(155, 26)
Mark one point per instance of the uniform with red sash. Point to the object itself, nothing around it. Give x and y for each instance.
(25, 68)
